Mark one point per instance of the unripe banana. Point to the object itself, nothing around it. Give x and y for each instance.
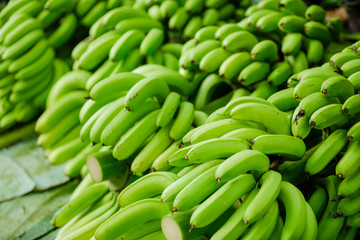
(248, 134)
(296, 7)
(145, 88)
(193, 57)
(146, 187)
(206, 33)
(292, 24)
(284, 99)
(256, 112)
(152, 42)
(213, 60)
(134, 214)
(239, 41)
(168, 8)
(318, 31)
(315, 13)
(349, 163)
(196, 191)
(295, 208)
(350, 67)
(295, 147)
(349, 187)
(168, 109)
(269, 22)
(298, 63)
(221, 200)
(254, 72)
(308, 87)
(225, 30)
(280, 72)
(242, 162)
(264, 51)
(161, 162)
(349, 206)
(338, 87)
(125, 44)
(291, 44)
(314, 51)
(136, 136)
(215, 148)
(354, 132)
(328, 116)
(179, 19)
(183, 121)
(249, 23)
(326, 152)
(339, 59)
(318, 201)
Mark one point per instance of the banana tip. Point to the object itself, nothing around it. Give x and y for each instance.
(192, 226)
(218, 179)
(174, 209)
(312, 123)
(350, 137)
(340, 175)
(345, 110)
(246, 221)
(323, 91)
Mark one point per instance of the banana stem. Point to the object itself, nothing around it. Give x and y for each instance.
(103, 166)
(18, 134)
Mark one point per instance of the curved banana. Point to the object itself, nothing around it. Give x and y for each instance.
(234, 64)
(274, 120)
(338, 87)
(213, 60)
(284, 99)
(327, 116)
(280, 72)
(326, 152)
(134, 214)
(318, 201)
(352, 104)
(254, 72)
(146, 187)
(349, 163)
(221, 200)
(239, 41)
(242, 162)
(183, 121)
(354, 132)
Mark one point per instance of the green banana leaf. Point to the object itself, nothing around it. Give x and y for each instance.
(25, 212)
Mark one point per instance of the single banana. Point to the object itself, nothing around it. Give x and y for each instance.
(326, 152)
(245, 160)
(315, 13)
(179, 19)
(125, 44)
(215, 148)
(102, 72)
(196, 191)
(269, 22)
(146, 187)
(284, 99)
(318, 31)
(183, 121)
(76, 205)
(136, 136)
(248, 134)
(134, 214)
(157, 144)
(253, 73)
(296, 7)
(168, 109)
(144, 24)
(192, 27)
(145, 88)
(311, 227)
(169, 194)
(280, 72)
(339, 59)
(314, 51)
(349, 163)
(292, 24)
(295, 208)
(349, 187)
(338, 87)
(327, 116)
(225, 30)
(234, 64)
(161, 162)
(168, 8)
(313, 102)
(295, 147)
(352, 103)
(221, 200)
(94, 14)
(273, 119)
(64, 32)
(124, 121)
(239, 41)
(213, 60)
(291, 44)
(354, 132)
(21, 30)
(318, 201)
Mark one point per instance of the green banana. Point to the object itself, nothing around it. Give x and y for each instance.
(213, 60)
(288, 146)
(183, 121)
(326, 152)
(315, 13)
(314, 51)
(215, 148)
(94, 14)
(192, 27)
(157, 144)
(291, 44)
(349, 187)
(355, 80)
(23, 44)
(178, 20)
(318, 31)
(177, 159)
(125, 44)
(339, 59)
(146, 187)
(134, 214)
(249, 23)
(284, 99)
(114, 85)
(242, 162)
(337, 87)
(234, 64)
(76, 205)
(124, 121)
(168, 109)
(200, 118)
(248, 134)
(280, 72)
(352, 103)
(64, 105)
(225, 30)
(298, 63)
(145, 88)
(254, 72)
(354, 132)
(327, 116)
(295, 208)
(168, 8)
(292, 24)
(196, 191)
(64, 31)
(265, 51)
(313, 102)
(273, 119)
(349, 163)
(307, 87)
(269, 22)
(311, 227)
(144, 24)
(136, 136)
(221, 200)
(169, 194)
(98, 50)
(348, 68)
(318, 201)
(161, 162)
(239, 41)
(297, 7)
(20, 30)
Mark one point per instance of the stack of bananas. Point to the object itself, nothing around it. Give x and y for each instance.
(197, 119)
